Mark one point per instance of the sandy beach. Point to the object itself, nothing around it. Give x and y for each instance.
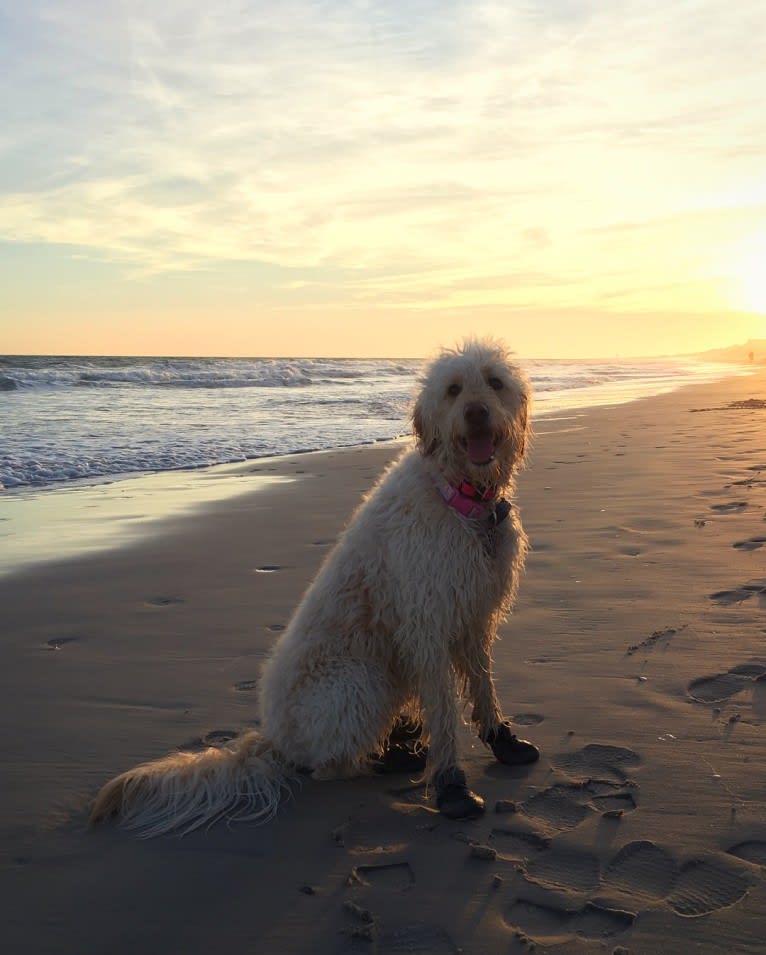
(635, 659)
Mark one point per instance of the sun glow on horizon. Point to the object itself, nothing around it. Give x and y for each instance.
(751, 275)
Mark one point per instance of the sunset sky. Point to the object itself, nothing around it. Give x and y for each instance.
(377, 178)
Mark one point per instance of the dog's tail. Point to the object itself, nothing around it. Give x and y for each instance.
(183, 791)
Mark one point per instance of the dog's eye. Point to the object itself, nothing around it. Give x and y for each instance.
(495, 383)
(454, 390)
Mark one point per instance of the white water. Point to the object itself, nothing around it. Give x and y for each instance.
(85, 420)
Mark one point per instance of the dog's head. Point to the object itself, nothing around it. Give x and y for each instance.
(471, 416)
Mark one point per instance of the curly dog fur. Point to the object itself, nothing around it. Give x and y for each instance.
(400, 619)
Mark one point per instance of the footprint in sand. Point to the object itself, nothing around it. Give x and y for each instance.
(661, 637)
(598, 783)
(567, 868)
(597, 761)
(747, 482)
(565, 805)
(728, 598)
(56, 643)
(517, 845)
(705, 885)
(552, 923)
(430, 939)
(389, 875)
(722, 686)
(245, 686)
(753, 851)
(527, 719)
(218, 738)
(642, 870)
(615, 803)
(641, 873)
(557, 807)
(753, 543)
(699, 886)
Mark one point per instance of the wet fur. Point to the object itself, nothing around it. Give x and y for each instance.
(401, 617)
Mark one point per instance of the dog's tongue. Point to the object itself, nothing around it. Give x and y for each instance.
(481, 449)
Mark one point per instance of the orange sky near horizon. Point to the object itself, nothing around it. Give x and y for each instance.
(353, 179)
(187, 333)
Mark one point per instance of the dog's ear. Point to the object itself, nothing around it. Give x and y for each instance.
(521, 431)
(427, 441)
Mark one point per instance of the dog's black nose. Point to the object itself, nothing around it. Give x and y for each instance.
(476, 413)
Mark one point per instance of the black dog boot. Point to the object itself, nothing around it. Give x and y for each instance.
(453, 797)
(509, 749)
(400, 758)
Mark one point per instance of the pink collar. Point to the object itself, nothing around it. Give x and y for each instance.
(467, 499)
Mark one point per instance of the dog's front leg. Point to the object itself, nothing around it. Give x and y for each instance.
(473, 664)
(487, 716)
(440, 722)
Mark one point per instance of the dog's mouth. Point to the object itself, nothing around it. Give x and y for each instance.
(480, 448)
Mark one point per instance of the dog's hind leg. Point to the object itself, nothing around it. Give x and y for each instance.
(339, 716)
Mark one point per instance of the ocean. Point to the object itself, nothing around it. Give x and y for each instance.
(96, 452)
(66, 420)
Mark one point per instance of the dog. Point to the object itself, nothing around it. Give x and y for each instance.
(397, 626)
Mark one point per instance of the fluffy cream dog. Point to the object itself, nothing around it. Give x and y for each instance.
(397, 626)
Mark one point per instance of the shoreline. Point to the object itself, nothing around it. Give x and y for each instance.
(94, 516)
(188, 434)
(86, 518)
(634, 659)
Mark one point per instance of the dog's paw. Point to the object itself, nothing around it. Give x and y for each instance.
(400, 758)
(453, 797)
(509, 749)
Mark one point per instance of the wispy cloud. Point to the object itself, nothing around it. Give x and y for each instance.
(422, 149)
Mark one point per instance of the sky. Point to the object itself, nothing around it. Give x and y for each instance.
(251, 177)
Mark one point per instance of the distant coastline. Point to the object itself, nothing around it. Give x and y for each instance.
(752, 352)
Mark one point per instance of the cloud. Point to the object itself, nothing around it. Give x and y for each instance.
(417, 150)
